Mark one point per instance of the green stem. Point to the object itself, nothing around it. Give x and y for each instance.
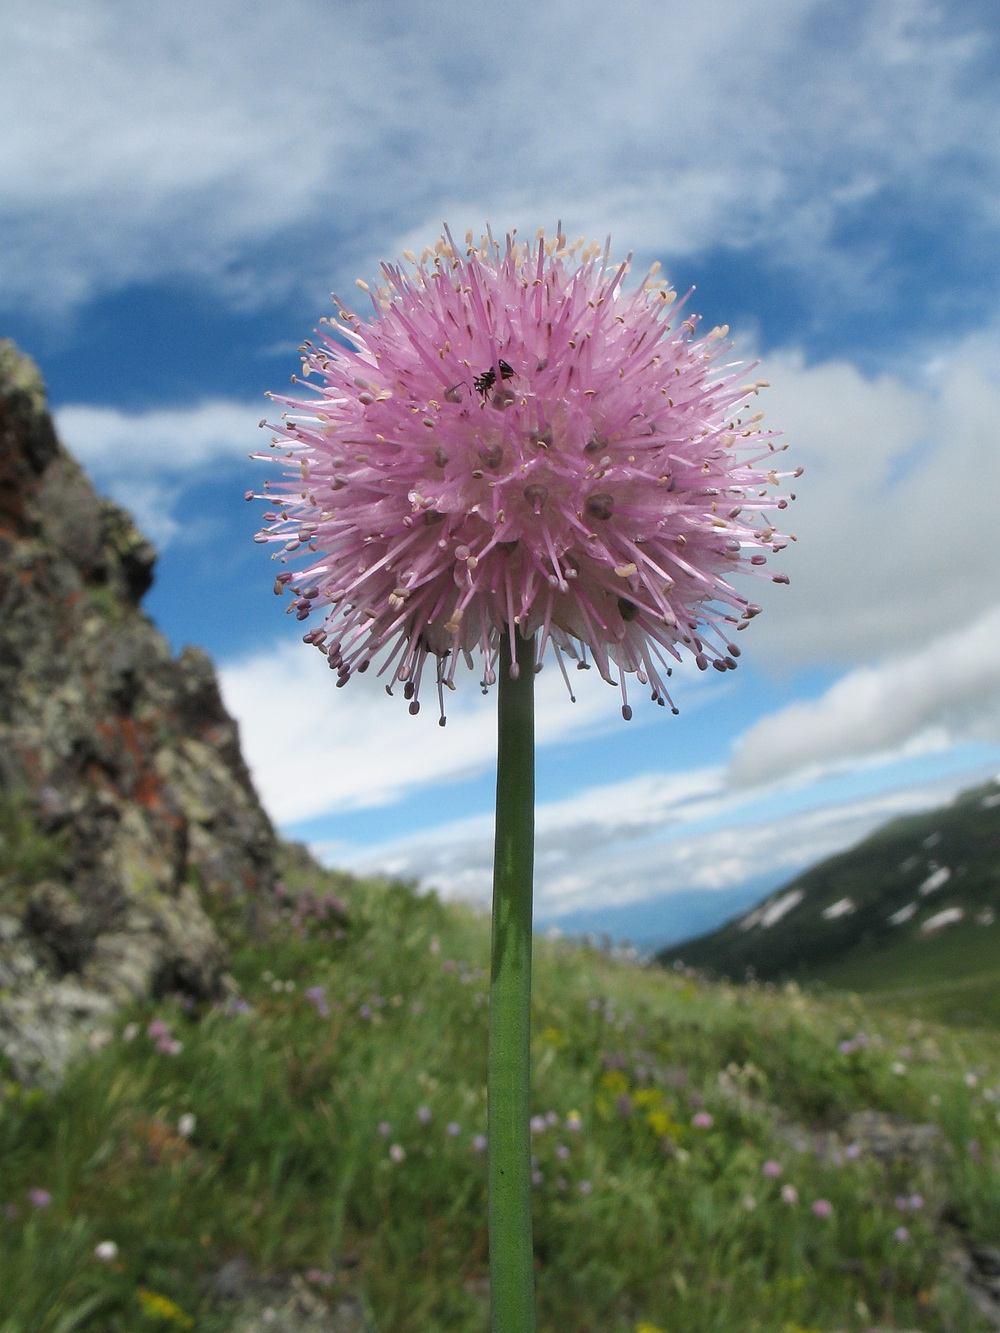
(512, 1289)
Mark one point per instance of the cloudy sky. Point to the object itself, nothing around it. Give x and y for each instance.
(182, 185)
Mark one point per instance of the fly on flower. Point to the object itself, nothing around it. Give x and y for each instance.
(600, 496)
(484, 383)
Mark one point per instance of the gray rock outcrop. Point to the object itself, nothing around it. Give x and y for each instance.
(125, 804)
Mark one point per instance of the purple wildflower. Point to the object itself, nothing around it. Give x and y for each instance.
(424, 1115)
(822, 1208)
(515, 440)
(318, 996)
(907, 1201)
(703, 1120)
(39, 1198)
(772, 1168)
(851, 1044)
(479, 1143)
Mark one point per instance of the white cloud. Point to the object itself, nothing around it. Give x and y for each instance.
(896, 511)
(653, 836)
(247, 144)
(149, 461)
(314, 749)
(164, 440)
(942, 694)
(168, 137)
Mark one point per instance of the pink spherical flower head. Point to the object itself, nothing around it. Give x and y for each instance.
(516, 444)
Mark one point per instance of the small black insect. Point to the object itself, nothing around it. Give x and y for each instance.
(484, 383)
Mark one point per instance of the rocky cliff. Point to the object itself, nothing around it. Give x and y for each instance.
(125, 806)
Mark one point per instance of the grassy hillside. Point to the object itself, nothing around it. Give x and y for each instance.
(707, 1156)
(915, 908)
(953, 978)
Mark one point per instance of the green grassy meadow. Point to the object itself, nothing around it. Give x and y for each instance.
(695, 1170)
(953, 977)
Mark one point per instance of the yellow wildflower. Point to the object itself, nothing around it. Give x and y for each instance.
(614, 1081)
(158, 1306)
(660, 1123)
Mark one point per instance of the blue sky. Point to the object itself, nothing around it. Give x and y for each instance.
(182, 185)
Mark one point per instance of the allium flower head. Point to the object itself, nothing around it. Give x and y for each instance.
(516, 444)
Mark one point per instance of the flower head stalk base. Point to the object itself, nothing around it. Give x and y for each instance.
(516, 444)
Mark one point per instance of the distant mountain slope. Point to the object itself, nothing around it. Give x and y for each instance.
(916, 904)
